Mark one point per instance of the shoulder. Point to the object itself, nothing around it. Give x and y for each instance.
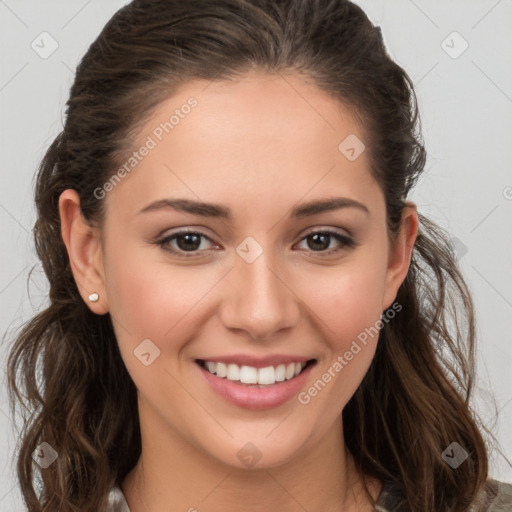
(495, 497)
(389, 497)
(116, 501)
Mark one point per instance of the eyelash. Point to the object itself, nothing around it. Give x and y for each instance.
(344, 240)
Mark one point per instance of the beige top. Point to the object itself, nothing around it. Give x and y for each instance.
(496, 498)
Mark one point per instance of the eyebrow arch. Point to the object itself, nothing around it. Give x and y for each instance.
(219, 211)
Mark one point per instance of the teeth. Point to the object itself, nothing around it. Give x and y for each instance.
(250, 375)
(233, 372)
(221, 370)
(280, 373)
(290, 371)
(266, 375)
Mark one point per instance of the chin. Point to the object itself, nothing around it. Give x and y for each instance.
(260, 453)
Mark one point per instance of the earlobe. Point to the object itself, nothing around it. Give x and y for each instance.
(400, 254)
(84, 249)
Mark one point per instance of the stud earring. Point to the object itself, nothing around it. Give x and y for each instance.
(94, 297)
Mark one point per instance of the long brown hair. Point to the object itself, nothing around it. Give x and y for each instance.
(65, 370)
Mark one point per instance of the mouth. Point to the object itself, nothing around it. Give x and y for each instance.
(255, 377)
(256, 384)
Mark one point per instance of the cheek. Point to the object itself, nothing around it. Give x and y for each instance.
(154, 301)
(347, 300)
(347, 311)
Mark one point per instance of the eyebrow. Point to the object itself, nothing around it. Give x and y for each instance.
(222, 212)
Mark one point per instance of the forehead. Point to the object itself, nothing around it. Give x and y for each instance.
(283, 111)
(259, 135)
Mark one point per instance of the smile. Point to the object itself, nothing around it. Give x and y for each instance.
(243, 374)
(256, 383)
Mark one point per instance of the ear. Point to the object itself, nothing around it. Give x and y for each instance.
(400, 253)
(85, 253)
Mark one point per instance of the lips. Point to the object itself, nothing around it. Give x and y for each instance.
(261, 384)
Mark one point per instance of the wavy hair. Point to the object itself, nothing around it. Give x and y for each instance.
(65, 371)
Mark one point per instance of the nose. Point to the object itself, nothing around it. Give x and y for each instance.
(259, 298)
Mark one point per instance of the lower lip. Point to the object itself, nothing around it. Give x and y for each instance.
(256, 398)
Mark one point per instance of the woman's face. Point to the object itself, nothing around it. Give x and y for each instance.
(252, 285)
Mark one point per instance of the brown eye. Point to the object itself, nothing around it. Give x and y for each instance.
(185, 242)
(320, 241)
(188, 241)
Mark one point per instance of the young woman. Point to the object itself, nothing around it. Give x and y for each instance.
(246, 311)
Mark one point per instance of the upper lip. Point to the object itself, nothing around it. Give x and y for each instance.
(255, 361)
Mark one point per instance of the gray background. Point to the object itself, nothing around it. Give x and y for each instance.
(466, 110)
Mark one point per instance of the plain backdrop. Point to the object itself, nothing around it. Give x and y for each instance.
(459, 56)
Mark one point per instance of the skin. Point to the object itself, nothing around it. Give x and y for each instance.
(259, 145)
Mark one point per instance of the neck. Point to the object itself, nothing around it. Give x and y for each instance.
(172, 473)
